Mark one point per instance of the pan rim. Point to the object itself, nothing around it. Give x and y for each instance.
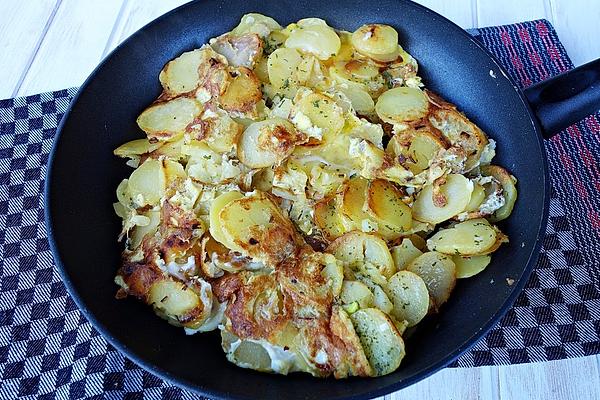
(218, 394)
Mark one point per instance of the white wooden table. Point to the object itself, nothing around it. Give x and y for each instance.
(54, 44)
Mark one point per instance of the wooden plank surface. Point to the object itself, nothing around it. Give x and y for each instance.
(22, 28)
(72, 46)
(53, 44)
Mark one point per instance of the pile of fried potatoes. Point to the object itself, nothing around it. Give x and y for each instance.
(299, 190)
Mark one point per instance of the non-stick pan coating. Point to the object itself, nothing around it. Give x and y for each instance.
(83, 175)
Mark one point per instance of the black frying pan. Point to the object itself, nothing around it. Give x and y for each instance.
(83, 175)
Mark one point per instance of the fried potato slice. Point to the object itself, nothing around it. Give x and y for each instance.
(314, 36)
(322, 112)
(439, 274)
(457, 192)
(415, 148)
(477, 197)
(282, 67)
(404, 253)
(410, 296)
(166, 119)
(471, 237)
(267, 142)
(377, 41)
(355, 291)
(384, 204)
(215, 227)
(509, 190)
(401, 105)
(242, 94)
(358, 248)
(256, 227)
(180, 75)
(147, 183)
(467, 267)
(327, 218)
(380, 339)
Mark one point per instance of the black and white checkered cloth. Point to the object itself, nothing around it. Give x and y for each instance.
(48, 350)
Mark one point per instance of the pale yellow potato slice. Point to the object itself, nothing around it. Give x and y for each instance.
(384, 204)
(361, 101)
(402, 104)
(282, 67)
(147, 183)
(471, 237)
(457, 191)
(167, 119)
(380, 339)
(410, 296)
(509, 190)
(135, 147)
(315, 37)
(404, 253)
(355, 291)
(327, 217)
(322, 111)
(265, 143)
(477, 197)
(377, 41)
(358, 249)
(439, 274)
(467, 267)
(180, 75)
(333, 272)
(381, 299)
(215, 227)
(256, 23)
(140, 232)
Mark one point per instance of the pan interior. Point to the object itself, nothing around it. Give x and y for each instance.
(84, 174)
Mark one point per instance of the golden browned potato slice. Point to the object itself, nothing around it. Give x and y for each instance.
(327, 217)
(353, 197)
(256, 227)
(410, 296)
(415, 149)
(461, 132)
(242, 94)
(466, 267)
(404, 253)
(377, 41)
(180, 75)
(457, 194)
(384, 204)
(355, 291)
(380, 339)
(178, 303)
(164, 120)
(358, 248)
(509, 190)
(215, 224)
(401, 105)
(439, 274)
(471, 237)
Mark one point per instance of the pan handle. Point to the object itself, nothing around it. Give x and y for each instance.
(566, 99)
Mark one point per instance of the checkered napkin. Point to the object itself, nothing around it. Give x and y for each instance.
(48, 350)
